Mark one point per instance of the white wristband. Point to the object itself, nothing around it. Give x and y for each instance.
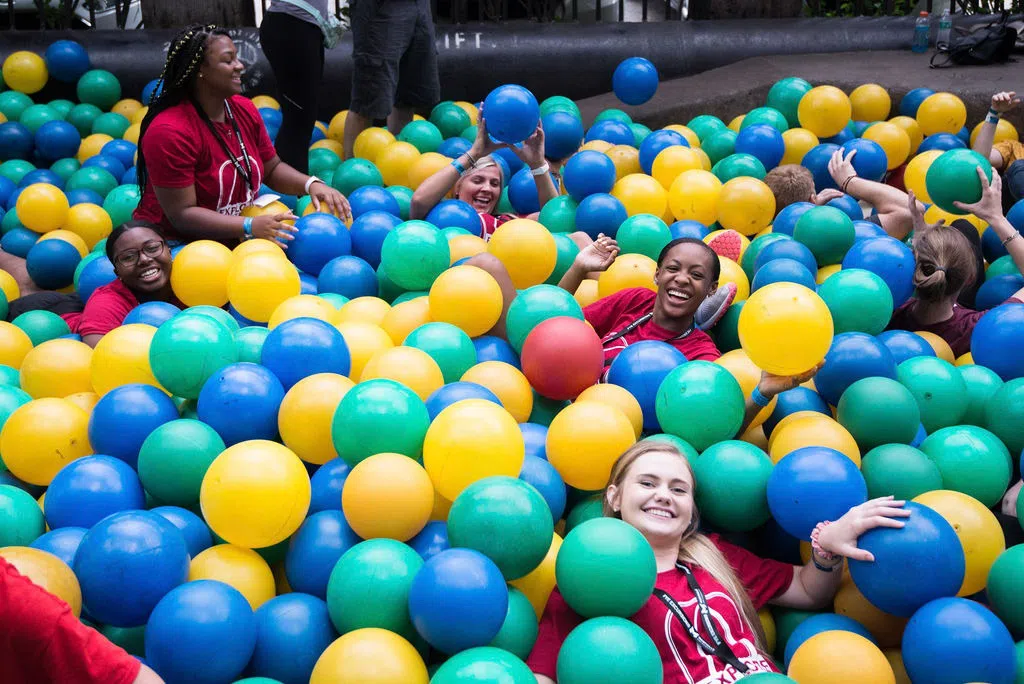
(310, 181)
(540, 170)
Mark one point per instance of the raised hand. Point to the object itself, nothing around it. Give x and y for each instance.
(990, 206)
(840, 537)
(597, 256)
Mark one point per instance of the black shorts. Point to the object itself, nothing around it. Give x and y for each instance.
(394, 56)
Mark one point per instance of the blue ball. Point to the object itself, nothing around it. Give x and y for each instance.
(611, 131)
(445, 396)
(508, 161)
(111, 165)
(763, 142)
(326, 485)
(635, 80)
(302, 347)
(241, 401)
(372, 198)
(124, 417)
(600, 214)
(995, 338)
(563, 134)
(62, 543)
(455, 213)
(151, 90)
(317, 135)
(94, 275)
(40, 176)
(349, 276)
(588, 172)
(964, 135)
(18, 241)
(456, 147)
(786, 249)
(543, 476)
(992, 246)
(192, 527)
(903, 345)
(793, 401)
(432, 540)
(997, 290)
(126, 563)
(522, 193)
(7, 188)
(842, 137)
(66, 60)
(307, 286)
(491, 348)
(56, 140)
(512, 113)
(51, 263)
(535, 438)
(16, 141)
(913, 99)
(130, 177)
(314, 550)
(864, 229)
(688, 229)
(458, 600)
(12, 200)
(889, 259)
(813, 484)
(783, 271)
(320, 238)
(849, 206)
(152, 313)
(816, 161)
(823, 622)
(785, 222)
(83, 196)
(639, 369)
(654, 143)
(292, 631)
(913, 565)
(203, 631)
(122, 150)
(921, 435)
(1016, 215)
(852, 356)
(272, 118)
(860, 126)
(941, 141)
(89, 489)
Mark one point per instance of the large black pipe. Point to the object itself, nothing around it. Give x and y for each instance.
(575, 60)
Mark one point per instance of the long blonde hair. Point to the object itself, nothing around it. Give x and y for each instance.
(694, 548)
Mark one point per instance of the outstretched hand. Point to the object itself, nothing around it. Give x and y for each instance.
(772, 385)
(840, 537)
(483, 145)
(597, 256)
(1005, 101)
(990, 206)
(917, 216)
(841, 167)
(826, 196)
(532, 149)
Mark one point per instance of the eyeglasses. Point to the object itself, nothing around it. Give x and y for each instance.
(129, 258)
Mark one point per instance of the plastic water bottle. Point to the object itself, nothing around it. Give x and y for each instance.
(921, 29)
(945, 28)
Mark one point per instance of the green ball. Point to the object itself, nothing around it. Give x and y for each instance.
(11, 398)
(720, 145)
(1004, 414)
(504, 203)
(559, 214)
(217, 314)
(938, 389)
(981, 384)
(100, 88)
(379, 416)
(100, 181)
(785, 96)
(450, 119)
(13, 104)
(766, 115)
(605, 567)
(303, 203)
(643, 234)
(4, 305)
(86, 260)
(9, 377)
(681, 445)
(369, 587)
(972, 460)
(1006, 586)
(65, 168)
(786, 621)
(112, 124)
(953, 176)
(544, 409)
(409, 296)
(559, 103)
(587, 509)
(858, 300)
(322, 160)
(355, 173)
(484, 664)
(62, 107)
(14, 170)
(899, 470)
(827, 232)
(41, 326)
(726, 332)
(11, 221)
(249, 343)
(639, 133)
(614, 115)
(705, 125)
(187, 350)
(567, 251)
(700, 388)
(749, 257)
(519, 631)
(414, 253)
(131, 639)
(879, 411)
(423, 135)
(83, 116)
(449, 346)
(737, 165)
(36, 115)
(121, 202)
(504, 518)
(403, 196)
(1002, 266)
(21, 519)
(626, 654)
(533, 306)
(174, 458)
(732, 485)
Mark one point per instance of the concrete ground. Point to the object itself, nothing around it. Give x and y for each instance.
(735, 89)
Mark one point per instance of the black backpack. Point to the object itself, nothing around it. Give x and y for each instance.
(989, 44)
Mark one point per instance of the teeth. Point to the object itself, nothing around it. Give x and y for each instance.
(677, 293)
(659, 513)
(149, 272)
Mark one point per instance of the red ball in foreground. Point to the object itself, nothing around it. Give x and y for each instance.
(562, 357)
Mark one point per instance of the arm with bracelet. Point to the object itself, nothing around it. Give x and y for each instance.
(1001, 103)
(990, 209)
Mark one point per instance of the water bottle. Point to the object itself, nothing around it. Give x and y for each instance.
(945, 29)
(921, 29)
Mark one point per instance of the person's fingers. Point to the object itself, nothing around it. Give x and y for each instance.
(285, 216)
(854, 553)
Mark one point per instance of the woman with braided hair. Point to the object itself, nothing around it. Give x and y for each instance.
(204, 151)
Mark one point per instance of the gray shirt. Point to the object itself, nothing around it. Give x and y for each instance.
(287, 8)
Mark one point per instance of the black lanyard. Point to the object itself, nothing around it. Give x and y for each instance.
(245, 173)
(636, 324)
(716, 647)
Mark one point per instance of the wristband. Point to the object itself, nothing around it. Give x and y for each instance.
(993, 112)
(459, 168)
(1011, 238)
(759, 398)
(540, 170)
(310, 181)
(846, 184)
(247, 228)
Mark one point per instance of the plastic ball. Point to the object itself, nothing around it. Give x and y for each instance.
(879, 411)
(89, 489)
(762, 141)
(640, 369)
(25, 72)
(315, 549)
(938, 388)
(307, 412)
(705, 387)
(379, 416)
(379, 477)
(785, 328)
(62, 543)
(887, 258)
(258, 283)
(940, 113)
(369, 587)
(824, 110)
(850, 655)
(972, 460)
(414, 254)
(858, 300)
(174, 458)
(490, 662)
(372, 656)
(22, 517)
(512, 113)
(635, 80)
(870, 161)
(508, 383)
(585, 439)
(41, 436)
(894, 141)
(1004, 585)
(46, 571)
(292, 631)
(562, 356)
(66, 60)
(588, 172)
(187, 350)
(953, 177)
(813, 484)
(740, 469)
(240, 568)
(628, 654)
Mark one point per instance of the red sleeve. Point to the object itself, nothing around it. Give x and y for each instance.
(106, 309)
(763, 578)
(171, 150)
(603, 313)
(255, 130)
(556, 623)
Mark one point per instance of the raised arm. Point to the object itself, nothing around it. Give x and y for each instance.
(1001, 104)
(597, 256)
(990, 209)
(890, 202)
(433, 189)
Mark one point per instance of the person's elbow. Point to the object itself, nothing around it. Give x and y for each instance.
(419, 206)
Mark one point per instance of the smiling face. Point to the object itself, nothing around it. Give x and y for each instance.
(684, 279)
(142, 261)
(655, 495)
(481, 188)
(221, 71)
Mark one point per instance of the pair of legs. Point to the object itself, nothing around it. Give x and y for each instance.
(394, 64)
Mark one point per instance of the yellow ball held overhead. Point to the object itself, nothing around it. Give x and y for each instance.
(363, 341)
(785, 328)
(42, 436)
(467, 297)
(57, 368)
(508, 383)
(628, 270)
(393, 483)
(122, 358)
(200, 274)
(527, 249)
(307, 413)
(410, 366)
(824, 110)
(237, 567)
(584, 440)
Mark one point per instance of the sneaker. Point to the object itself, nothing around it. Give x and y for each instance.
(714, 307)
(727, 244)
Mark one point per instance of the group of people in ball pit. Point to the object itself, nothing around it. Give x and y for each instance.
(204, 154)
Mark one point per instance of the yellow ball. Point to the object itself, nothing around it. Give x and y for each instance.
(57, 368)
(939, 345)
(25, 72)
(303, 306)
(329, 144)
(122, 358)
(628, 270)
(537, 585)
(825, 271)
(91, 146)
(798, 142)
(410, 366)
(626, 159)
(870, 102)
(255, 494)
(138, 116)
(941, 113)
(463, 246)
(584, 441)
(258, 245)
(887, 629)
(468, 441)
(914, 174)
(965, 360)
(694, 196)
(272, 209)
(364, 309)
(9, 286)
(426, 166)
(237, 567)
(508, 383)
(363, 341)
(1004, 131)
(893, 140)
(200, 274)
(747, 374)
(597, 146)
(127, 107)
(733, 273)
(265, 101)
(812, 430)
(527, 249)
(746, 205)
(673, 161)
(307, 412)
(89, 222)
(42, 207)
(336, 128)
(785, 328)
(613, 395)
(387, 496)
(737, 121)
(467, 297)
(840, 656)
(132, 133)
(394, 162)
(911, 128)
(47, 571)
(406, 317)
(470, 109)
(824, 110)
(84, 400)
(14, 344)
(587, 293)
(442, 507)
(705, 160)
(258, 283)
(686, 132)
(641, 194)
(933, 213)
(370, 656)
(67, 236)
(978, 530)
(42, 436)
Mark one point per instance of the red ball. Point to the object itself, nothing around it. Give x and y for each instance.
(562, 357)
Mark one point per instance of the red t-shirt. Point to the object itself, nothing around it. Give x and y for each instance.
(181, 151)
(614, 313)
(41, 640)
(490, 222)
(105, 310)
(682, 660)
(956, 329)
